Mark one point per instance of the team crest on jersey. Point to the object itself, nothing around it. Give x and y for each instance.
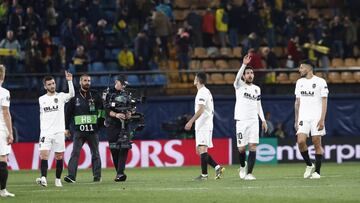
(256, 91)
(77, 102)
(56, 100)
(314, 85)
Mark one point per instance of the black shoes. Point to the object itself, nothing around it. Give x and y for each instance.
(120, 178)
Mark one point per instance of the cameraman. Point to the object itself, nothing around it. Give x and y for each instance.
(117, 123)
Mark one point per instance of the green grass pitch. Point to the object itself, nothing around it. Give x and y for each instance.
(277, 183)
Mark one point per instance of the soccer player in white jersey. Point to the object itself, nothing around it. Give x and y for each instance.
(52, 126)
(203, 118)
(6, 134)
(248, 109)
(310, 111)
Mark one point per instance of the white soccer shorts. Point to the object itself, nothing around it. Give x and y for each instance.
(247, 132)
(4, 147)
(55, 141)
(310, 127)
(204, 137)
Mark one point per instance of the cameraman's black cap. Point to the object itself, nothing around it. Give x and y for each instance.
(122, 79)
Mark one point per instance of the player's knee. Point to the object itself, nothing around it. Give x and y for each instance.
(3, 158)
(44, 155)
(252, 147)
(242, 149)
(58, 156)
(301, 142)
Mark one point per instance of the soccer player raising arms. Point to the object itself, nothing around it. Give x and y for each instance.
(248, 109)
(52, 126)
(310, 110)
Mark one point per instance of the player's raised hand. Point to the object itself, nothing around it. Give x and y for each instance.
(246, 59)
(68, 76)
(320, 125)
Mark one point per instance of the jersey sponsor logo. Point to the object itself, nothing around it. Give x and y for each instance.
(51, 108)
(251, 97)
(307, 93)
(313, 86)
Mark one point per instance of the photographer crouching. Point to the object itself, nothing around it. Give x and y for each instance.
(121, 117)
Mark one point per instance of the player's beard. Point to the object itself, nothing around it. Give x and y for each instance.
(249, 80)
(51, 90)
(85, 87)
(303, 75)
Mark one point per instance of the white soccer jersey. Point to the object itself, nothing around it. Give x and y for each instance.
(4, 101)
(205, 121)
(248, 105)
(52, 115)
(310, 92)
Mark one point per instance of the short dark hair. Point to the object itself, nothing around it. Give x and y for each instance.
(308, 62)
(122, 79)
(248, 68)
(201, 77)
(47, 78)
(84, 75)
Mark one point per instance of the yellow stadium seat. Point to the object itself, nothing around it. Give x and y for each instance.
(179, 15)
(282, 78)
(221, 64)
(337, 63)
(313, 14)
(356, 76)
(347, 77)
(200, 52)
(229, 78)
(278, 51)
(334, 77)
(321, 74)
(350, 62)
(217, 78)
(195, 64)
(237, 52)
(226, 52)
(207, 64)
(293, 77)
(234, 64)
(182, 4)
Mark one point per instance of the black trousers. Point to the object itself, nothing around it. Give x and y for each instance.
(118, 152)
(93, 142)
